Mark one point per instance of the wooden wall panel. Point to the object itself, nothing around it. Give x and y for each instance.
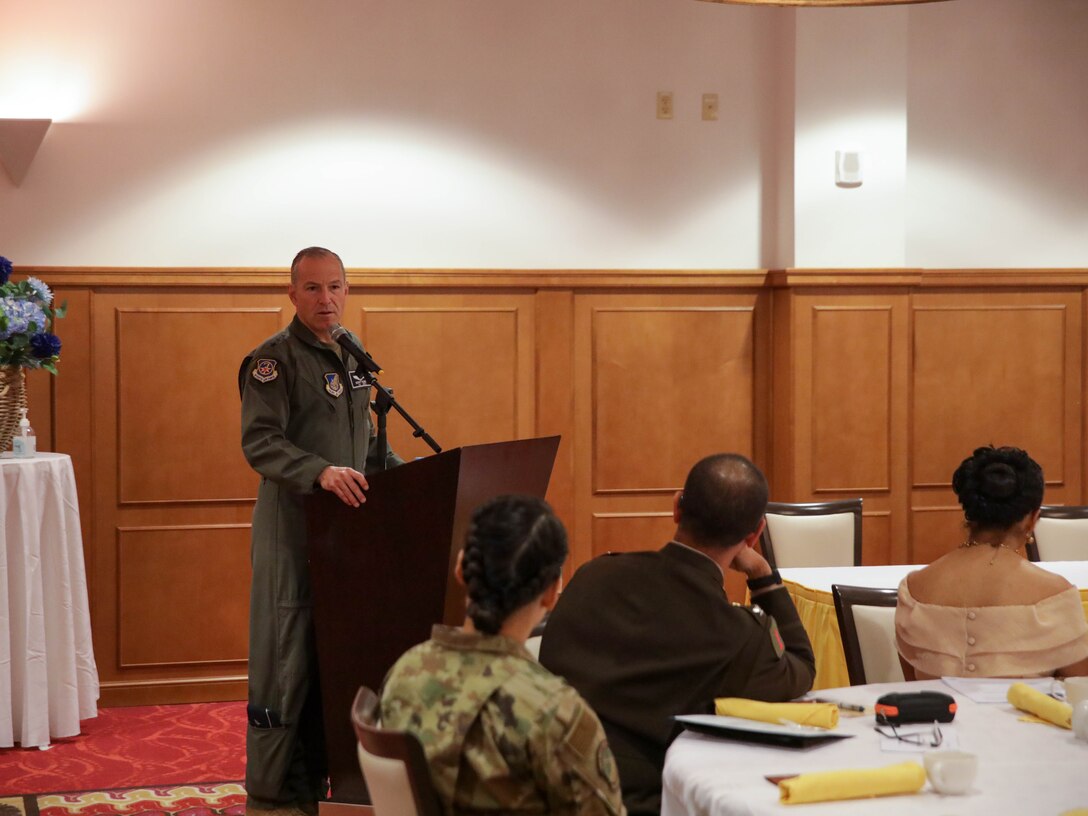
(936, 529)
(178, 415)
(995, 372)
(166, 420)
(463, 367)
(681, 379)
(628, 532)
(837, 383)
(1002, 368)
(851, 399)
(660, 380)
(183, 581)
(840, 374)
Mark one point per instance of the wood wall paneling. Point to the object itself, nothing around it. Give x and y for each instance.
(182, 581)
(851, 399)
(165, 420)
(841, 369)
(992, 373)
(196, 454)
(629, 532)
(838, 383)
(554, 346)
(670, 385)
(660, 380)
(463, 367)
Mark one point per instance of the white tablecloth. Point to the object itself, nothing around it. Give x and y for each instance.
(48, 677)
(1024, 768)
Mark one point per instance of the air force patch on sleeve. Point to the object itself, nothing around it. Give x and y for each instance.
(265, 370)
(333, 384)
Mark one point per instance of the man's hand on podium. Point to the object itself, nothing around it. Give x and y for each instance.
(347, 483)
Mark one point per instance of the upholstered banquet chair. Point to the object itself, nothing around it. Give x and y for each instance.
(867, 626)
(393, 764)
(818, 534)
(1061, 534)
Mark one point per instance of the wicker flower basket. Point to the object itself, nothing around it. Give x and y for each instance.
(12, 398)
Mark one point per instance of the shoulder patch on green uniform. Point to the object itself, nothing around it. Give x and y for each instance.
(776, 639)
(265, 370)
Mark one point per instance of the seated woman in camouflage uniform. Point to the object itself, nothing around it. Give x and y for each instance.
(502, 734)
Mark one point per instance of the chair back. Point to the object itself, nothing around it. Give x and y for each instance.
(393, 764)
(867, 627)
(816, 534)
(1061, 534)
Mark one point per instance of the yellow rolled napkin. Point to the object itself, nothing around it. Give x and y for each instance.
(822, 715)
(831, 786)
(1042, 706)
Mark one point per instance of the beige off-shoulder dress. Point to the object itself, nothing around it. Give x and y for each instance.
(1027, 640)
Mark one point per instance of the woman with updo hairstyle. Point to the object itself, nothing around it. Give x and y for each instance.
(983, 609)
(501, 733)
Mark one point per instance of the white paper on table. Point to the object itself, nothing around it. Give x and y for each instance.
(994, 689)
(950, 739)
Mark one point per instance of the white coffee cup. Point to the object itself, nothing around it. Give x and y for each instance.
(1080, 720)
(1076, 689)
(951, 772)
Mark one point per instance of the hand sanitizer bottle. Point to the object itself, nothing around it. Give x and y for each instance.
(24, 444)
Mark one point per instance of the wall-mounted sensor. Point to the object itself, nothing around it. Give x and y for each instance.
(849, 168)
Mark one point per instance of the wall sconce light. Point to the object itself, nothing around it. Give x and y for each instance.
(821, 3)
(19, 143)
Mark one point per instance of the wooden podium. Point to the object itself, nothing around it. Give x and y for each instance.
(382, 574)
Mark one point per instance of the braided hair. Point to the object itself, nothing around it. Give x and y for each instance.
(514, 550)
(998, 486)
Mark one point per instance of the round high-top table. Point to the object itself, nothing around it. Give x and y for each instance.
(48, 677)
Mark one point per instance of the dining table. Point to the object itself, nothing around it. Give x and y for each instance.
(48, 675)
(810, 589)
(1024, 768)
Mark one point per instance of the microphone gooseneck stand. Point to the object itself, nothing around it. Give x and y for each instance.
(383, 398)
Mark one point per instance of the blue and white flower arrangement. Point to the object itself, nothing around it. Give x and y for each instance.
(27, 313)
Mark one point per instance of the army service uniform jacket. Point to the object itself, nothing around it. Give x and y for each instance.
(644, 636)
(501, 733)
(303, 409)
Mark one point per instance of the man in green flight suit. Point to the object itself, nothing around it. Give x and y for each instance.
(305, 425)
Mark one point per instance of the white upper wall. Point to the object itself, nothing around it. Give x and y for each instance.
(508, 133)
(997, 174)
(437, 133)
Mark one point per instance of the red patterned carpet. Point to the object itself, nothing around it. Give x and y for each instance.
(225, 799)
(144, 746)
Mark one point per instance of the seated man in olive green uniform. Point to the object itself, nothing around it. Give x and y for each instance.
(501, 733)
(305, 426)
(648, 635)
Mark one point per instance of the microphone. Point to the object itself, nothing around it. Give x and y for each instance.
(365, 361)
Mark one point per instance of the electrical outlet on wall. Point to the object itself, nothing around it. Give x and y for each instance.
(710, 107)
(664, 104)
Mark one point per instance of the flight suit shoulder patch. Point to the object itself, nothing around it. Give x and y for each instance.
(265, 370)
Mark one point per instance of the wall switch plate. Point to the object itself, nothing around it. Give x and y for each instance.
(664, 104)
(710, 107)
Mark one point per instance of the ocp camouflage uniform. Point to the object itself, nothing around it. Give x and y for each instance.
(303, 409)
(501, 733)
